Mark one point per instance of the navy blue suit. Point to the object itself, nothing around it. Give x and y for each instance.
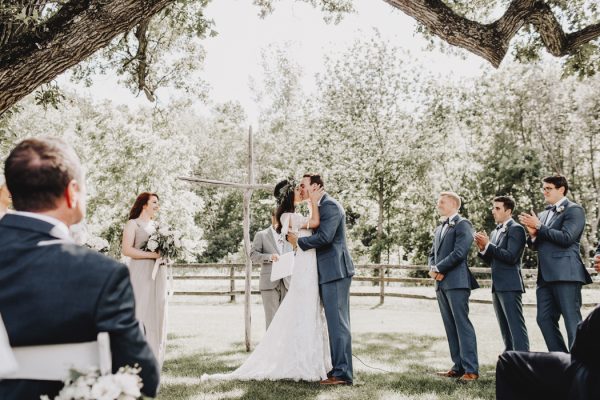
(54, 291)
(556, 375)
(449, 254)
(503, 255)
(561, 273)
(335, 269)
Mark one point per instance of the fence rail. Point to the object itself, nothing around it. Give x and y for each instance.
(378, 277)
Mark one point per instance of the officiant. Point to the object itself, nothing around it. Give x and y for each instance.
(267, 246)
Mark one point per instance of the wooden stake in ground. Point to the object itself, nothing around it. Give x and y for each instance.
(248, 189)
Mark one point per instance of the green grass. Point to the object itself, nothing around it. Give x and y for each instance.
(399, 367)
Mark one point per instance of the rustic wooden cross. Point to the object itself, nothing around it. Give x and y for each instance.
(248, 188)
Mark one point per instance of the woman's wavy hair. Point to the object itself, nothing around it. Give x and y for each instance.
(140, 202)
(284, 193)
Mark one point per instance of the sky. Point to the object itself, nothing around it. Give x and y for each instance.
(233, 56)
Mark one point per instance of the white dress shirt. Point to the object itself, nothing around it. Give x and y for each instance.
(444, 229)
(278, 240)
(496, 234)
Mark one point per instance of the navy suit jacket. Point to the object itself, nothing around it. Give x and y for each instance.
(449, 254)
(557, 244)
(329, 240)
(54, 291)
(504, 258)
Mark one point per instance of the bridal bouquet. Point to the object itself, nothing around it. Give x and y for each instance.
(124, 385)
(168, 242)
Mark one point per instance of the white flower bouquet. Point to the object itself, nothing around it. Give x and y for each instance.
(97, 243)
(166, 241)
(124, 385)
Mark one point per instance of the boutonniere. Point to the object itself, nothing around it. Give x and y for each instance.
(560, 209)
(451, 224)
(504, 229)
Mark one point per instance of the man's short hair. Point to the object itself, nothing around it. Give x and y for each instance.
(38, 172)
(453, 196)
(315, 178)
(558, 181)
(507, 201)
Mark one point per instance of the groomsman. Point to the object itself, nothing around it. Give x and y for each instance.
(448, 266)
(267, 246)
(555, 234)
(503, 254)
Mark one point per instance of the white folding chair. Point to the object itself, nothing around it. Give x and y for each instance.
(54, 362)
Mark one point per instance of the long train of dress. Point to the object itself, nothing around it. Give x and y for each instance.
(296, 345)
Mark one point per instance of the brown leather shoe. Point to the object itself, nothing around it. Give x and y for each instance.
(449, 374)
(469, 377)
(334, 380)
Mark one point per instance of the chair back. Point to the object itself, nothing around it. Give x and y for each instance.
(54, 362)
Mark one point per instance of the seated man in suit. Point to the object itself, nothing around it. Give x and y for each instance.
(267, 246)
(556, 375)
(555, 234)
(54, 291)
(503, 254)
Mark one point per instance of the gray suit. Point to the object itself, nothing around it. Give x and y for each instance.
(449, 254)
(335, 269)
(503, 255)
(561, 273)
(272, 293)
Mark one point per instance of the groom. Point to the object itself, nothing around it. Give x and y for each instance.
(335, 275)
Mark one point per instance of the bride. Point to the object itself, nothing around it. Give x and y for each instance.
(295, 345)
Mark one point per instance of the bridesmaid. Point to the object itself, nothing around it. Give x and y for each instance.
(150, 295)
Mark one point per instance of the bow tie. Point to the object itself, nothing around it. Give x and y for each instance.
(446, 221)
(499, 226)
(551, 208)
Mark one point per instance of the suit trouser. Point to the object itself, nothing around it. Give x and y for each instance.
(272, 298)
(454, 307)
(553, 300)
(544, 376)
(336, 302)
(509, 312)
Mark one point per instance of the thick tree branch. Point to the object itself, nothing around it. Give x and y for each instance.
(491, 41)
(75, 32)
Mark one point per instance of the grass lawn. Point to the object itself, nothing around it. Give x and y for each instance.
(399, 346)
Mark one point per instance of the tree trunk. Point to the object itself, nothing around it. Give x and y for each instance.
(78, 30)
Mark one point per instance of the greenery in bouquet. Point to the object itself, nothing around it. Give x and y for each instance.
(167, 241)
(123, 385)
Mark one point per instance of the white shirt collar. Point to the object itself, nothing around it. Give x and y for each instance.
(506, 222)
(60, 230)
(452, 217)
(561, 201)
(321, 198)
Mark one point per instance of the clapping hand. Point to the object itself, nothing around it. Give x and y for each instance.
(481, 239)
(597, 263)
(530, 221)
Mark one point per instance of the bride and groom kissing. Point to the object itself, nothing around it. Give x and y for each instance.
(309, 337)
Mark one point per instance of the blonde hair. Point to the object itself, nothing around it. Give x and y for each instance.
(453, 196)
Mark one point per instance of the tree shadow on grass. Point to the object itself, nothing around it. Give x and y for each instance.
(416, 381)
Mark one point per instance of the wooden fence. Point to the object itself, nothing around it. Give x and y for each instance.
(378, 274)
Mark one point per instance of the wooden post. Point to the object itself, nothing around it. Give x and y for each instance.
(232, 284)
(247, 196)
(381, 284)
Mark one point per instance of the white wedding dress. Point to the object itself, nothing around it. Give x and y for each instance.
(296, 345)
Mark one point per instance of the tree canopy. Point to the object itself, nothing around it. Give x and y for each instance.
(41, 39)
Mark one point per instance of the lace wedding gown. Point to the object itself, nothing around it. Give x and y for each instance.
(296, 345)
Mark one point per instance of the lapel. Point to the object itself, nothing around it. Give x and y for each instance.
(271, 239)
(26, 223)
(502, 235)
(557, 216)
(441, 238)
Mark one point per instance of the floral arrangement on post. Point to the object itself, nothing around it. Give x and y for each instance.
(124, 385)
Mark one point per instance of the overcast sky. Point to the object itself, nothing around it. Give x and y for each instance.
(233, 56)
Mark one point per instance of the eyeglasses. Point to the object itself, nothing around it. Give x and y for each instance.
(547, 189)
